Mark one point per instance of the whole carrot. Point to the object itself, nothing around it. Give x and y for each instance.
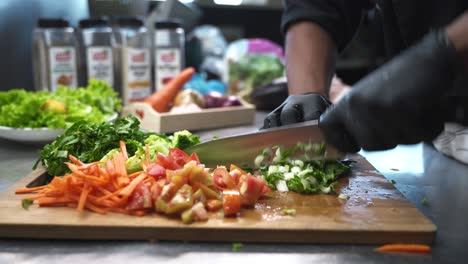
(417, 248)
(162, 98)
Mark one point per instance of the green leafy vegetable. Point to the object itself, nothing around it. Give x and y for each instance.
(26, 203)
(237, 246)
(91, 142)
(253, 71)
(97, 142)
(184, 139)
(94, 104)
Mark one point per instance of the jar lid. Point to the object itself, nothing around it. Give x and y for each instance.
(168, 24)
(52, 23)
(94, 22)
(129, 22)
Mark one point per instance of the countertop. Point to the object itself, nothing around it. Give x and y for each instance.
(419, 170)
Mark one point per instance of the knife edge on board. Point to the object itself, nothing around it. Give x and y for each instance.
(242, 149)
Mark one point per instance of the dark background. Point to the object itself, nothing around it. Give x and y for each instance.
(18, 19)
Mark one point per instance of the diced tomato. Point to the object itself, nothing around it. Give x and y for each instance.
(251, 189)
(166, 162)
(194, 157)
(213, 205)
(199, 212)
(140, 198)
(222, 179)
(168, 191)
(156, 171)
(176, 159)
(231, 202)
(265, 189)
(178, 156)
(235, 175)
(156, 189)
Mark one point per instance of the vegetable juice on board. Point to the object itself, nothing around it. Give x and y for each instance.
(132, 60)
(97, 56)
(169, 55)
(54, 53)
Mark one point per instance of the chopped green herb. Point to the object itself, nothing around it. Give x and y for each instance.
(215, 138)
(288, 211)
(393, 181)
(26, 203)
(237, 246)
(302, 175)
(425, 202)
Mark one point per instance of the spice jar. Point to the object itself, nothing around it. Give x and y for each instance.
(54, 55)
(132, 60)
(169, 51)
(97, 41)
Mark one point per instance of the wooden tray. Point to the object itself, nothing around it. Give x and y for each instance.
(207, 118)
(375, 213)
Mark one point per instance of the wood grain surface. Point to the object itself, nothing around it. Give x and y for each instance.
(375, 213)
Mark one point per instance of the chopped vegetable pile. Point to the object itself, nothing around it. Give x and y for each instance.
(91, 142)
(175, 184)
(94, 104)
(285, 174)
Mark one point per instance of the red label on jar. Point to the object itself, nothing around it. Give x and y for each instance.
(139, 57)
(63, 56)
(100, 55)
(168, 57)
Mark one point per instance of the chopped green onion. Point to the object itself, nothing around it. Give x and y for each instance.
(288, 211)
(26, 203)
(237, 246)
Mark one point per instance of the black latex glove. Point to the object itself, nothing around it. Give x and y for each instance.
(403, 102)
(297, 108)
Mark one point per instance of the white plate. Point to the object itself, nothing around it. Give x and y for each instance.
(35, 136)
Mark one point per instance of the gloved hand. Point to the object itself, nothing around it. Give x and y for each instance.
(400, 103)
(297, 108)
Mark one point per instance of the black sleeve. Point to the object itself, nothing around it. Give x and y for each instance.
(340, 18)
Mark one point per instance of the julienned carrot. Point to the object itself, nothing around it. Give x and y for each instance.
(417, 248)
(30, 190)
(163, 97)
(92, 186)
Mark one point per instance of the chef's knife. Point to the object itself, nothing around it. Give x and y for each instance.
(242, 149)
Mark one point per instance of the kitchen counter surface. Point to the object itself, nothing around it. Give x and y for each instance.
(420, 172)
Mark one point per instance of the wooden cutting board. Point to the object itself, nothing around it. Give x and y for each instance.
(375, 213)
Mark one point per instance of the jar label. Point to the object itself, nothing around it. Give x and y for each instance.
(62, 62)
(137, 75)
(168, 65)
(99, 64)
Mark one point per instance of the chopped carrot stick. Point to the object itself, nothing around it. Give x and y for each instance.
(30, 190)
(419, 248)
(95, 208)
(123, 149)
(82, 202)
(50, 201)
(133, 184)
(75, 160)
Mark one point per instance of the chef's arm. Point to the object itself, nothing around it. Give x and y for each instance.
(310, 59)
(315, 31)
(457, 32)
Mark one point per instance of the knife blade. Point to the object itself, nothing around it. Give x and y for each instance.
(242, 149)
